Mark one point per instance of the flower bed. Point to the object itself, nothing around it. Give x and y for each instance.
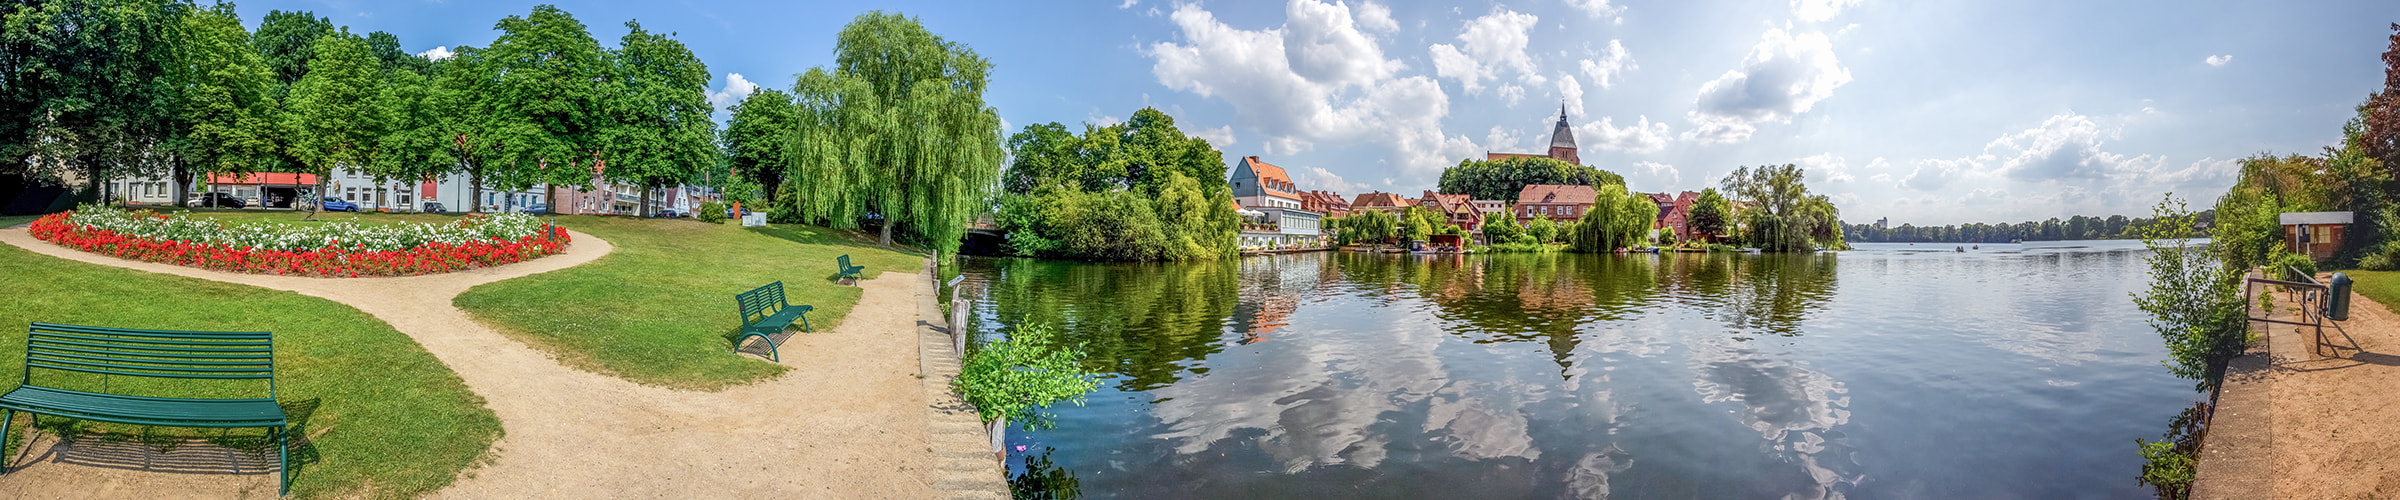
(340, 248)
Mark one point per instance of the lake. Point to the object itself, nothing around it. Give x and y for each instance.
(1891, 371)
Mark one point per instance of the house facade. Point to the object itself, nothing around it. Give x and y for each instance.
(1325, 202)
(1456, 209)
(1380, 201)
(1260, 184)
(1559, 203)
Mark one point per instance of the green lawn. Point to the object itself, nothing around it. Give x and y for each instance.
(2383, 287)
(660, 310)
(389, 420)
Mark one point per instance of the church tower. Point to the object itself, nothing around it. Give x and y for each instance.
(1562, 139)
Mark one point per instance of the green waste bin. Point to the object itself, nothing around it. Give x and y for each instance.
(2337, 304)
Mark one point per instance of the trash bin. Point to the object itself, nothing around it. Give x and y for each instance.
(2337, 305)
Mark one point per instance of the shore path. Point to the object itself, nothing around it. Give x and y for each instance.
(2328, 413)
(849, 420)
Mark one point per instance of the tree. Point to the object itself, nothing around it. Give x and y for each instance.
(462, 98)
(2194, 298)
(227, 120)
(333, 115)
(754, 137)
(414, 146)
(1501, 227)
(898, 131)
(663, 131)
(286, 41)
(1783, 216)
(1502, 179)
(550, 103)
(1542, 230)
(1710, 212)
(386, 48)
(1054, 175)
(90, 85)
(2380, 134)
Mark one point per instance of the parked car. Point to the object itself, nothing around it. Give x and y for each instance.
(668, 213)
(435, 207)
(218, 200)
(337, 205)
(536, 209)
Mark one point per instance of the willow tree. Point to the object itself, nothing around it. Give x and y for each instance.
(1783, 216)
(897, 131)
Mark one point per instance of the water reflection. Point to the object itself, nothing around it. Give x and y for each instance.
(1585, 376)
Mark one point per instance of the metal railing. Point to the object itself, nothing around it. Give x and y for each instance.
(2310, 295)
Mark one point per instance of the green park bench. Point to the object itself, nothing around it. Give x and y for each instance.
(152, 354)
(765, 313)
(848, 271)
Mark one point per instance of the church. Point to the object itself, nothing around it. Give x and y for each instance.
(1562, 143)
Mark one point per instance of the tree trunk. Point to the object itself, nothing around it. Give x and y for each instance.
(319, 206)
(182, 180)
(475, 189)
(644, 193)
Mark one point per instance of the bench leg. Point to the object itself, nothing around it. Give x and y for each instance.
(5, 421)
(804, 321)
(772, 349)
(283, 462)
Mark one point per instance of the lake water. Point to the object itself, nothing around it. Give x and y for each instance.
(1892, 371)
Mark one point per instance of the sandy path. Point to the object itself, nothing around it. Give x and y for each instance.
(848, 421)
(2334, 410)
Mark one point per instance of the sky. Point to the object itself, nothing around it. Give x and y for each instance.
(1921, 112)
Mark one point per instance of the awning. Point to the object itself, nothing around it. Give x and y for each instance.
(265, 178)
(1252, 213)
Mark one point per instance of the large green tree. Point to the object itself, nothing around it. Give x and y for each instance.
(461, 97)
(1783, 216)
(334, 115)
(898, 132)
(1502, 179)
(754, 137)
(286, 41)
(1710, 214)
(90, 86)
(227, 117)
(1139, 190)
(413, 147)
(663, 132)
(550, 102)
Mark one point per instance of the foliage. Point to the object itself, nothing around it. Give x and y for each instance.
(1618, 219)
(2380, 116)
(1501, 227)
(660, 131)
(1140, 190)
(2247, 231)
(898, 131)
(2294, 267)
(754, 137)
(711, 211)
(228, 118)
(1367, 226)
(1710, 214)
(1021, 375)
(2171, 463)
(2194, 300)
(334, 118)
(1520, 246)
(551, 101)
(1782, 216)
(1502, 179)
(1418, 223)
(287, 41)
(89, 85)
(1542, 230)
(2079, 227)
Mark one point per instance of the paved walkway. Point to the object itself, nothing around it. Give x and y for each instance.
(850, 419)
(2326, 416)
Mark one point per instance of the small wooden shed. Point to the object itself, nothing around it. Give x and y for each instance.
(2314, 234)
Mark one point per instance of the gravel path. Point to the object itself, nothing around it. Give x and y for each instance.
(848, 421)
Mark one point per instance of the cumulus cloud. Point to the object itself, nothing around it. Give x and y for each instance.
(1572, 92)
(437, 53)
(1640, 137)
(1314, 79)
(1660, 173)
(1128, 4)
(2219, 60)
(736, 88)
(1599, 9)
(1784, 75)
(1219, 137)
(2066, 146)
(1934, 174)
(1819, 10)
(1611, 62)
(1492, 43)
(1503, 139)
(1375, 16)
(1320, 179)
(1834, 168)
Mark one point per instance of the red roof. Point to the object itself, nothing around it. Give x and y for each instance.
(1270, 177)
(264, 178)
(1380, 199)
(1556, 193)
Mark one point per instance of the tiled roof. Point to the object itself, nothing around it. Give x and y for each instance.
(1555, 193)
(1379, 199)
(264, 178)
(1270, 177)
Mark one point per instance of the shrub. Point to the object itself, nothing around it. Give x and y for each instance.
(2294, 267)
(342, 248)
(712, 212)
(1023, 374)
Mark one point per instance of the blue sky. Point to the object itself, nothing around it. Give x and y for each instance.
(1924, 112)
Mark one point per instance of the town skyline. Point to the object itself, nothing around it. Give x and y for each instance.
(1925, 114)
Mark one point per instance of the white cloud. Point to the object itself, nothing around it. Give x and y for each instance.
(1660, 173)
(1315, 79)
(2066, 146)
(1128, 4)
(1609, 64)
(1819, 10)
(1319, 179)
(1832, 168)
(1493, 42)
(1375, 16)
(437, 53)
(1572, 92)
(1099, 119)
(736, 89)
(1934, 174)
(1503, 139)
(2219, 60)
(1641, 137)
(1511, 94)
(2208, 172)
(1219, 137)
(1784, 75)
(1599, 9)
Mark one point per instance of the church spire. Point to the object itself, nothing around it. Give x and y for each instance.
(1562, 138)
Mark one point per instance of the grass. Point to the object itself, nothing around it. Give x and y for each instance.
(660, 309)
(2381, 286)
(387, 418)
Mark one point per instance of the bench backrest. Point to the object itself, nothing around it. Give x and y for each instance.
(759, 303)
(151, 353)
(845, 261)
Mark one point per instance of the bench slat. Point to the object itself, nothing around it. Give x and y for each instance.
(258, 374)
(46, 348)
(261, 363)
(140, 343)
(131, 332)
(145, 410)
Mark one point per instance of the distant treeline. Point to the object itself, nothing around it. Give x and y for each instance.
(2072, 228)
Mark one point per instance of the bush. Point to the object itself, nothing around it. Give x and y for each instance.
(1522, 245)
(712, 212)
(2294, 267)
(1020, 376)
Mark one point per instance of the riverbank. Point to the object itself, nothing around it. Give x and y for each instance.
(2321, 432)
